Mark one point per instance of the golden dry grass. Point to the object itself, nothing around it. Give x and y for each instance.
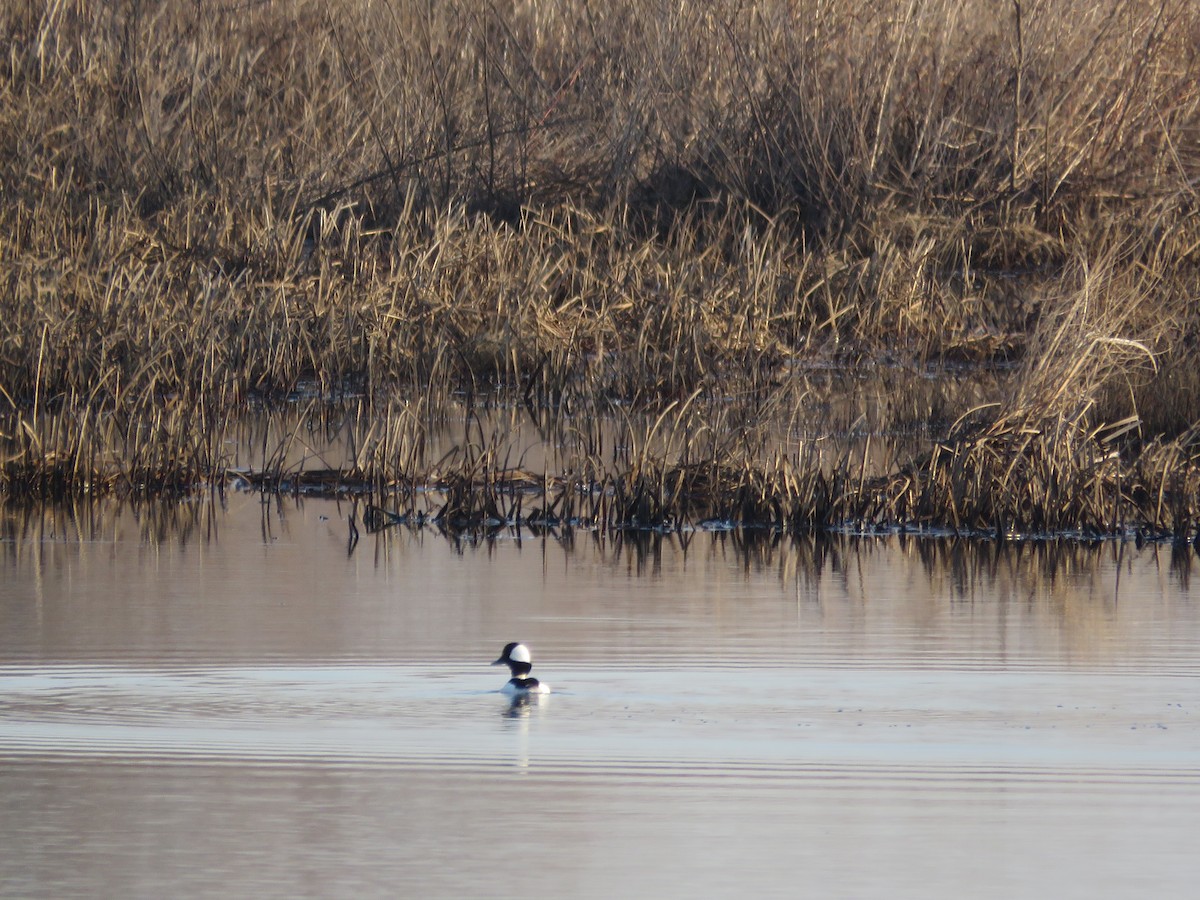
(596, 211)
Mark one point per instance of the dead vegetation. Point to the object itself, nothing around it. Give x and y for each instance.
(639, 226)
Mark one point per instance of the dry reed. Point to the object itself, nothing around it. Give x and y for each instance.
(610, 215)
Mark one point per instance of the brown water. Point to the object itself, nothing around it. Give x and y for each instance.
(225, 702)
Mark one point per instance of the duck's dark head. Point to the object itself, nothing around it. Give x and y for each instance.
(518, 659)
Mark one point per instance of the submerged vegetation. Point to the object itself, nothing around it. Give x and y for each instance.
(662, 235)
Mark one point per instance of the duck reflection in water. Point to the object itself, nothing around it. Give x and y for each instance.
(521, 706)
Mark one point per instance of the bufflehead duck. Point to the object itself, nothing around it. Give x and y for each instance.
(516, 657)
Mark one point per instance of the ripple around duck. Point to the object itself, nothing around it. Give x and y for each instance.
(676, 725)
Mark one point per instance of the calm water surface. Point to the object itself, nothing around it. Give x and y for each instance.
(224, 702)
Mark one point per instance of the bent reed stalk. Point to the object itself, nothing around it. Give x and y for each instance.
(608, 218)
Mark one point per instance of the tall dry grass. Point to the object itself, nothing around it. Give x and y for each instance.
(582, 208)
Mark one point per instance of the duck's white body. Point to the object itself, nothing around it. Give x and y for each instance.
(519, 661)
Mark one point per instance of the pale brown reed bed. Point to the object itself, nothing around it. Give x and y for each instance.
(595, 211)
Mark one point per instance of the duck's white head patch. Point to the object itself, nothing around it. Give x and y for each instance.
(520, 653)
